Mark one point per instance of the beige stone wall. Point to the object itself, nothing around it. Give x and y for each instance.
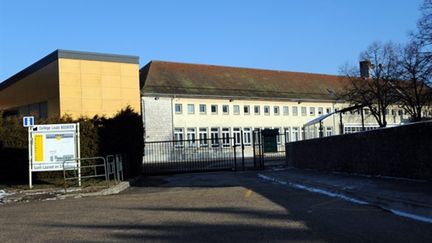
(40, 86)
(96, 87)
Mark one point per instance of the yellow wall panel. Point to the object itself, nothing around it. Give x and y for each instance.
(70, 79)
(111, 68)
(92, 105)
(129, 82)
(71, 92)
(90, 79)
(129, 93)
(111, 93)
(70, 65)
(72, 106)
(89, 92)
(111, 81)
(91, 67)
(128, 69)
(99, 87)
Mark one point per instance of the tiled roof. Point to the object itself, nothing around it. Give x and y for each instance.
(181, 79)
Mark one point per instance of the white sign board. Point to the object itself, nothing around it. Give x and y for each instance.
(53, 146)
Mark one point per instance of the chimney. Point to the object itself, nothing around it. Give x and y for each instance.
(364, 68)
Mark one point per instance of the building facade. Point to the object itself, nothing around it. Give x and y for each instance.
(184, 101)
(73, 83)
(198, 102)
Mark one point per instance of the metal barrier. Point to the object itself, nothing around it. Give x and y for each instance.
(268, 150)
(115, 167)
(190, 155)
(110, 167)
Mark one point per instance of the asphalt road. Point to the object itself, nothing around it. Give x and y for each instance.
(208, 207)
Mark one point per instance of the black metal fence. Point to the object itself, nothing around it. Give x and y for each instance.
(268, 148)
(190, 155)
(227, 153)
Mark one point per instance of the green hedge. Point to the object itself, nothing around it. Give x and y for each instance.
(99, 136)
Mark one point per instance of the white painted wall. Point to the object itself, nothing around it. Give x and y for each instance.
(157, 118)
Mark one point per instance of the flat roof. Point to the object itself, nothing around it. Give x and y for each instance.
(55, 55)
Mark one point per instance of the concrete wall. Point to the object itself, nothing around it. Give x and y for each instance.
(157, 118)
(89, 87)
(403, 151)
(40, 86)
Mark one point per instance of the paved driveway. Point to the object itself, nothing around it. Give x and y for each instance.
(210, 207)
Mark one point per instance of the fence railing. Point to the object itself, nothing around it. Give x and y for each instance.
(109, 168)
(190, 155)
(226, 153)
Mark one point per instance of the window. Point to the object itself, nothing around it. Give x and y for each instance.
(295, 134)
(178, 108)
(178, 137)
(266, 110)
(202, 109)
(386, 111)
(214, 136)
(225, 137)
(236, 109)
(303, 111)
(320, 111)
(328, 110)
(400, 112)
(278, 136)
(294, 111)
(257, 110)
(287, 135)
(190, 133)
(237, 135)
(246, 110)
(225, 109)
(276, 110)
(247, 136)
(203, 137)
(312, 111)
(329, 131)
(214, 109)
(393, 112)
(191, 108)
(285, 110)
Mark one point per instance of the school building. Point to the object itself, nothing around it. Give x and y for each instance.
(183, 101)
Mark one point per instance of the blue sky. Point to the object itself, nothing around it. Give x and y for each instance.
(316, 36)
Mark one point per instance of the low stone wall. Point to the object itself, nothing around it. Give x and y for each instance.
(404, 151)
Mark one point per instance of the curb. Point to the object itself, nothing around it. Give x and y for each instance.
(404, 208)
(121, 186)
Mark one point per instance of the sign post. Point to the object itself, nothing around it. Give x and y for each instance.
(52, 147)
(28, 121)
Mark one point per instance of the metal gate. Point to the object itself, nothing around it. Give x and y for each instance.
(190, 155)
(268, 148)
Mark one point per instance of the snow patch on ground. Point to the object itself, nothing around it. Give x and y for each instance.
(311, 189)
(3, 194)
(343, 197)
(411, 216)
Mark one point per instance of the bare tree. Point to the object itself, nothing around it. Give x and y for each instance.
(374, 88)
(424, 24)
(412, 88)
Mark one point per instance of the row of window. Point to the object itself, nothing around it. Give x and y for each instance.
(276, 110)
(256, 109)
(227, 136)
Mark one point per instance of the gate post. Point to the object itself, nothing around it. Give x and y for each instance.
(235, 157)
(242, 148)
